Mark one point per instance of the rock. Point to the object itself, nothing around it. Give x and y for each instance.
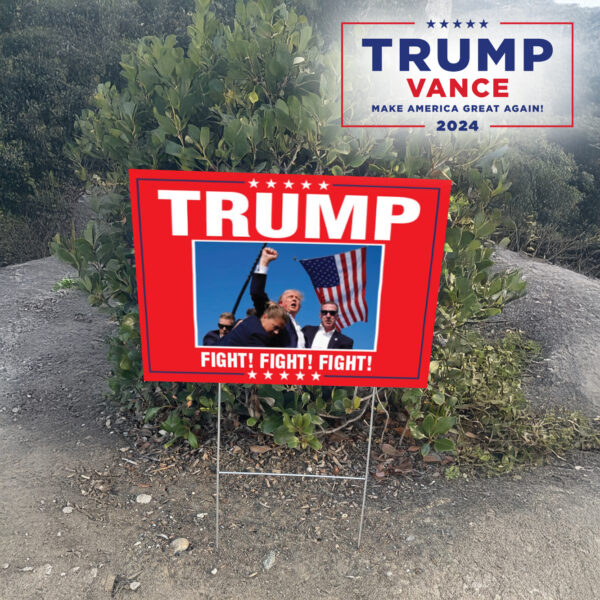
(5, 566)
(180, 545)
(162, 432)
(27, 569)
(68, 510)
(201, 515)
(143, 498)
(134, 585)
(107, 423)
(94, 573)
(16, 409)
(214, 571)
(410, 538)
(109, 583)
(47, 569)
(269, 561)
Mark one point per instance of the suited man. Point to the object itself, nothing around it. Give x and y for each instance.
(325, 336)
(290, 300)
(225, 325)
(267, 330)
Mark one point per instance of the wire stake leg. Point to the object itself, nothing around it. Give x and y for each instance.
(218, 463)
(362, 512)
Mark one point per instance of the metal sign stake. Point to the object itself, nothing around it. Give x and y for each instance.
(364, 479)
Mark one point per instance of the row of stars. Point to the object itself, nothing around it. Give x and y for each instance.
(284, 375)
(470, 24)
(289, 184)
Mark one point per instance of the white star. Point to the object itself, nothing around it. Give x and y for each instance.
(323, 185)
(284, 375)
(268, 375)
(253, 183)
(305, 185)
(252, 375)
(288, 185)
(270, 183)
(316, 376)
(300, 375)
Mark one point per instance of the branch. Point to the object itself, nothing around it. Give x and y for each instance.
(328, 431)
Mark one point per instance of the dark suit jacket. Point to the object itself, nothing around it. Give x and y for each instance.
(338, 340)
(250, 332)
(211, 338)
(260, 300)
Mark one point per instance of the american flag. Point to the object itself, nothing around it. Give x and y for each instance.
(341, 278)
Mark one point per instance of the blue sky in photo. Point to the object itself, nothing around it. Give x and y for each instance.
(222, 268)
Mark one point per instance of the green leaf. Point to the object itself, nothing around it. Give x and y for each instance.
(251, 422)
(443, 425)
(425, 449)
(443, 445)
(152, 412)
(192, 439)
(315, 444)
(173, 148)
(204, 136)
(253, 97)
(428, 424)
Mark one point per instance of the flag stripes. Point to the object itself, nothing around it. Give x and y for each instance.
(341, 278)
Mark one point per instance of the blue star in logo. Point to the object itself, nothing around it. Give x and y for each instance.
(444, 23)
(470, 24)
(457, 24)
(430, 24)
(483, 23)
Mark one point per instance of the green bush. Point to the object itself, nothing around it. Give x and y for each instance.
(52, 56)
(552, 209)
(262, 95)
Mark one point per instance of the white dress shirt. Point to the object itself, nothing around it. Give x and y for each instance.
(322, 337)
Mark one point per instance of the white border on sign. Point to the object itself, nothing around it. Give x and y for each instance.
(374, 349)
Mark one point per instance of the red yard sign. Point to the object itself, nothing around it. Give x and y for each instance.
(333, 280)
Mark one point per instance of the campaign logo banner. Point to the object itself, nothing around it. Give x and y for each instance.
(459, 75)
(287, 279)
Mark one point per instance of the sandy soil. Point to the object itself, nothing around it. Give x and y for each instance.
(531, 536)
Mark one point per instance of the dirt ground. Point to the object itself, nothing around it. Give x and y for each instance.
(72, 470)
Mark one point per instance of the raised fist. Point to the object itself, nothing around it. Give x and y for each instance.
(268, 255)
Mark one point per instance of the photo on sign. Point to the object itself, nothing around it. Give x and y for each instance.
(287, 278)
(331, 291)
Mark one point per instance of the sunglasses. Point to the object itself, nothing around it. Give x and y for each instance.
(223, 326)
(329, 312)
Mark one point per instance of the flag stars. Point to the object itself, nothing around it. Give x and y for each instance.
(253, 183)
(305, 185)
(270, 183)
(444, 24)
(457, 24)
(483, 23)
(299, 375)
(470, 24)
(268, 374)
(252, 375)
(316, 376)
(288, 185)
(430, 24)
(323, 185)
(284, 375)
